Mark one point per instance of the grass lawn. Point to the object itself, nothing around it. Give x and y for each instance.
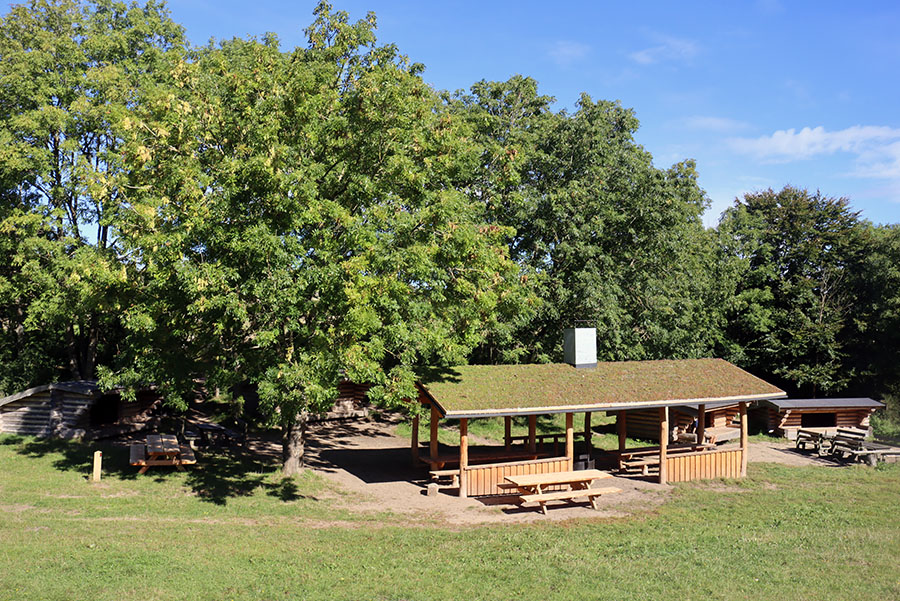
(234, 530)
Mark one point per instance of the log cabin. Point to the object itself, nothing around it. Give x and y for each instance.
(784, 417)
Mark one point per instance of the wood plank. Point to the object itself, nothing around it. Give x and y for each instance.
(745, 445)
(570, 440)
(463, 457)
(532, 431)
(569, 494)
(433, 441)
(663, 443)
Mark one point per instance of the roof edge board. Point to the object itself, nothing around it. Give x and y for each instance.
(512, 411)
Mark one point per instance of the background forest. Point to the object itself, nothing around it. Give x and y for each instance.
(245, 213)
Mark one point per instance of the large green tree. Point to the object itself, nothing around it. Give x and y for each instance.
(293, 220)
(603, 237)
(791, 315)
(70, 72)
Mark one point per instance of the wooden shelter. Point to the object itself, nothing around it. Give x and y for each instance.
(67, 409)
(474, 391)
(784, 417)
(721, 421)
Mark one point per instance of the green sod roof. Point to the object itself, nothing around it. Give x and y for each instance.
(481, 390)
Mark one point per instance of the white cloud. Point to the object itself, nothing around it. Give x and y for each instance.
(877, 148)
(721, 125)
(566, 52)
(667, 49)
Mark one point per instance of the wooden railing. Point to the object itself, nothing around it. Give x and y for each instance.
(482, 480)
(704, 465)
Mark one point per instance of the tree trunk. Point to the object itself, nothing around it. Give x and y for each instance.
(293, 443)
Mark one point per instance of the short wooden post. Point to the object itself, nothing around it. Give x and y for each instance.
(701, 423)
(745, 442)
(433, 441)
(621, 430)
(588, 434)
(663, 443)
(463, 457)
(98, 461)
(507, 432)
(415, 439)
(532, 433)
(570, 439)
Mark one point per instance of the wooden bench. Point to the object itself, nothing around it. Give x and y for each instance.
(850, 443)
(820, 442)
(439, 475)
(646, 457)
(568, 495)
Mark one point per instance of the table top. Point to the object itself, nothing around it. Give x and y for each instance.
(162, 444)
(557, 477)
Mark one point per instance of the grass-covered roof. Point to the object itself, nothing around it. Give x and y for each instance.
(473, 390)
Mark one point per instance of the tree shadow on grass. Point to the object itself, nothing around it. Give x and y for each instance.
(220, 473)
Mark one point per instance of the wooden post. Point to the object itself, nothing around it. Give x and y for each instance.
(588, 434)
(570, 439)
(433, 441)
(98, 461)
(745, 443)
(507, 432)
(415, 440)
(701, 423)
(463, 457)
(663, 443)
(621, 430)
(532, 433)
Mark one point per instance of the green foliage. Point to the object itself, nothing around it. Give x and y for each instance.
(602, 236)
(789, 317)
(291, 220)
(70, 73)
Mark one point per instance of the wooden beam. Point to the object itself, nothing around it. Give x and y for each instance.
(415, 439)
(507, 432)
(745, 443)
(532, 432)
(663, 443)
(588, 433)
(570, 439)
(463, 457)
(622, 431)
(433, 441)
(98, 461)
(701, 423)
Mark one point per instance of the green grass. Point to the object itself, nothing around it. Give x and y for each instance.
(222, 533)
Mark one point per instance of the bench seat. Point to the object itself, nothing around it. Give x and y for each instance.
(568, 495)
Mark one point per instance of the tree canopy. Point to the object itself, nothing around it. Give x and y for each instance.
(244, 214)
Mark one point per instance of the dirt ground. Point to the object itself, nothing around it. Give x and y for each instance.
(374, 467)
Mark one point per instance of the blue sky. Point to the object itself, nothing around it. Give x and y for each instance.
(761, 94)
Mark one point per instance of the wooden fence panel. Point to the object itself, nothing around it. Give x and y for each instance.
(704, 466)
(483, 479)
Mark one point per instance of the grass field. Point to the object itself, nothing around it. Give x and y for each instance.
(234, 530)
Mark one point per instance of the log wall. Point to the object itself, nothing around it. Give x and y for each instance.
(705, 465)
(483, 479)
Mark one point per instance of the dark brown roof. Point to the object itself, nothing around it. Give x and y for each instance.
(482, 390)
(854, 403)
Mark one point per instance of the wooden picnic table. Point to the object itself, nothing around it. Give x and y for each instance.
(161, 450)
(576, 484)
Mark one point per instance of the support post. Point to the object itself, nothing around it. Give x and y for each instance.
(415, 440)
(532, 434)
(98, 463)
(433, 441)
(701, 424)
(621, 430)
(507, 432)
(745, 443)
(663, 443)
(570, 439)
(463, 457)
(588, 434)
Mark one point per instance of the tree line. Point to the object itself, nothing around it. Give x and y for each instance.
(238, 213)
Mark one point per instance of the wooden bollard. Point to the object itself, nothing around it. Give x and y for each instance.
(98, 461)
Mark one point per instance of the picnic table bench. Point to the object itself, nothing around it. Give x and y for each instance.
(533, 488)
(161, 449)
(850, 443)
(820, 442)
(645, 457)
